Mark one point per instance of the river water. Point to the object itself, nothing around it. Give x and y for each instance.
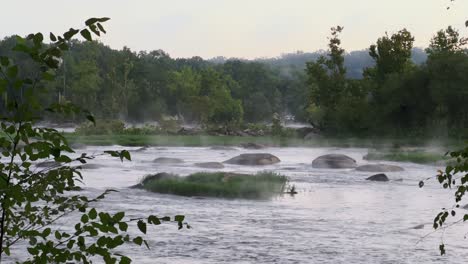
(337, 216)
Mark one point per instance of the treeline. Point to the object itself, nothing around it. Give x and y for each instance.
(148, 86)
(389, 89)
(396, 95)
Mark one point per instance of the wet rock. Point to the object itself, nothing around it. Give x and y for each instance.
(379, 168)
(223, 148)
(164, 160)
(252, 146)
(154, 177)
(48, 164)
(210, 165)
(334, 161)
(421, 226)
(91, 166)
(144, 148)
(78, 146)
(253, 159)
(378, 177)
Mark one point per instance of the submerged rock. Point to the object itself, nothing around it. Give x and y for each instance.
(421, 226)
(334, 161)
(253, 159)
(379, 168)
(48, 164)
(223, 148)
(251, 145)
(210, 165)
(144, 148)
(378, 177)
(164, 160)
(90, 166)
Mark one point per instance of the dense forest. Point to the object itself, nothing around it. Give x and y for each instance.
(391, 88)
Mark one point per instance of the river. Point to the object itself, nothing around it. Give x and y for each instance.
(336, 217)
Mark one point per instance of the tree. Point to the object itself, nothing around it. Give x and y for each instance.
(391, 55)
(33, 199)
(327, 80)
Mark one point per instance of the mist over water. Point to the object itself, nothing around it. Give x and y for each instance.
(337, 216)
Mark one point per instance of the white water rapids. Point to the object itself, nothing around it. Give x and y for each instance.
(337, 216)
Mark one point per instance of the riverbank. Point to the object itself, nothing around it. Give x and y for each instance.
(207, 140)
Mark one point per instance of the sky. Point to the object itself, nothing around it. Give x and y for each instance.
(236, 28)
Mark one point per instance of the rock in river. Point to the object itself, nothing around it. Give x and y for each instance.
(254, 159)
(210, 165)
(164, 160)
(252, 146)
(378, 177)
(334, 161)
(225, 148)
(379, 168)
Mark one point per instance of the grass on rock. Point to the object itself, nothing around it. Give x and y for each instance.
(263, 185)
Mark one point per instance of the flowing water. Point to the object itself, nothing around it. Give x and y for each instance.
(337, 216)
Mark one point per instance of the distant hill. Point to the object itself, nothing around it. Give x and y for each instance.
(355, 61)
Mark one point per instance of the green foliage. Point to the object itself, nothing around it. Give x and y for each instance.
(220, 184)
(455, 179)
(102, 127)
(416, 156)
(34, 200)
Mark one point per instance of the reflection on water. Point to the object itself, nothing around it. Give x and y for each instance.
(337, 217)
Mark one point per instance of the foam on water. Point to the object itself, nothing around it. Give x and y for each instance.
(337, 217)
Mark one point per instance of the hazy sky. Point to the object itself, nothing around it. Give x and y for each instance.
(235, 28)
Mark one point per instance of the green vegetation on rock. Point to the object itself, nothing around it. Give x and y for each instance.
(416, 156)
(219, 184)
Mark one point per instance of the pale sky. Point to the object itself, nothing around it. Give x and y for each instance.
(235, 28)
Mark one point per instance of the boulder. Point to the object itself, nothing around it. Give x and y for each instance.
(378, 177)
(78, 146)
(253, 159)
(164, 160)
(251, 145)
(334, 161)
(379, 168)
(48, 164)
(144, 148)
(154, 177)
(421, 226)
(89, 166)
(223, 148)
(210, 165)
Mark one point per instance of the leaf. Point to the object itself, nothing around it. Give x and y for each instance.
(123, 226)
(125, 260)
(103, 19)
(4, 61)
(118, 216)
(84, 218)
(179, 218)
(91, 118)
(142, 226)
(91, 21)
(92, 214)
(52, 37)
(70, 33)
(126, 155)
(12, 72)
(101, 27)
(138, 240)
(465, 217)
(86, 34)
(442, 249)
